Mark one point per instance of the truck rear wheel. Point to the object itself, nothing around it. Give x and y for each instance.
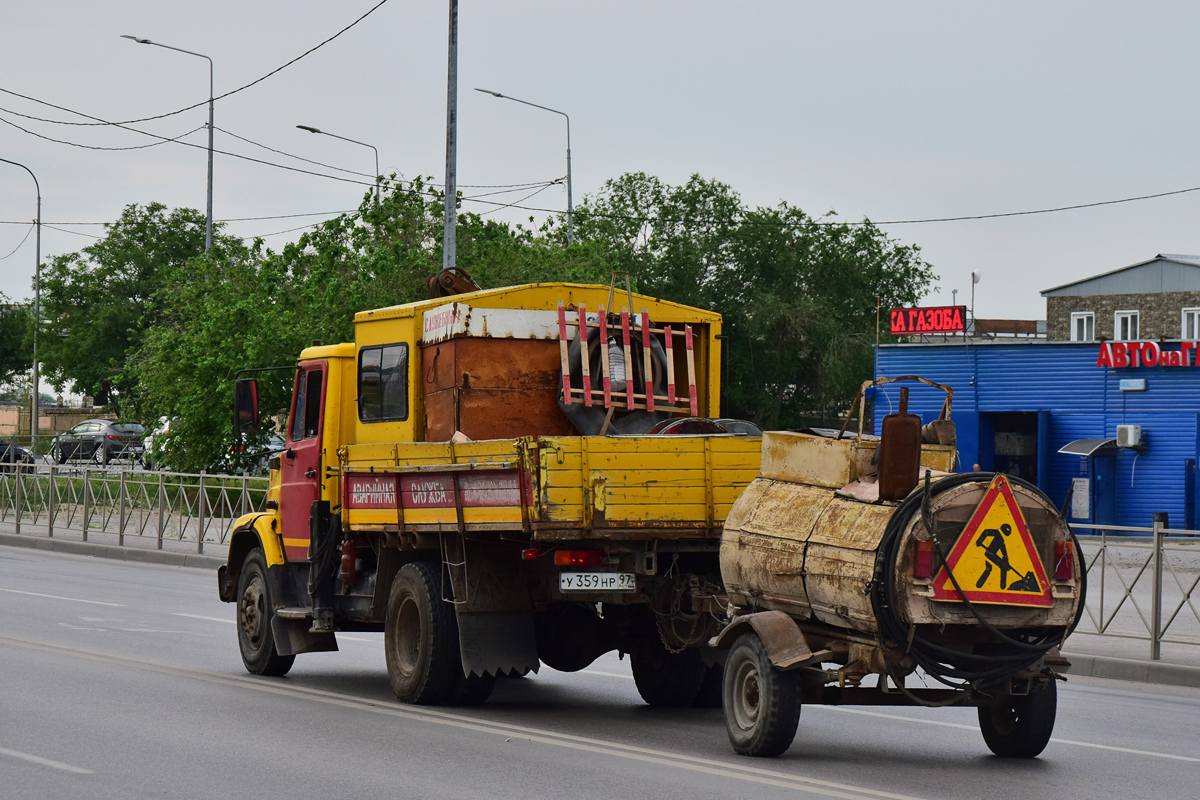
(709, 695)
(1019, 726)
(665, 679)
(420, 636)
(255, 610)
(762, 704)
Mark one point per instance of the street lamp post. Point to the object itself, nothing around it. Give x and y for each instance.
(570, 209)
(311, 129)
(209, 219)
(37, 308)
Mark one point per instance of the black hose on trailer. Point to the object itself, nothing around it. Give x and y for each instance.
(1009, 653)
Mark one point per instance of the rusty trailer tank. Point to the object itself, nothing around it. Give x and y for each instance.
(969, 584)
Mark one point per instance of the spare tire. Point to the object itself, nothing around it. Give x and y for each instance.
(590, 421)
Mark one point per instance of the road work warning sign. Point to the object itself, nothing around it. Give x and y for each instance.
(994, 559)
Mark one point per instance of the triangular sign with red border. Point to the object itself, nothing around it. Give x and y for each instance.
(994, 559)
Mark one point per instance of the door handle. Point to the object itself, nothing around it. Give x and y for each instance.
(310, 473)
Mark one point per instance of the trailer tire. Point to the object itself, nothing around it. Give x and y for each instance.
(1019, 726)
(420, 636)
(665, 679)
(712, 688)
(255, 609)
(762, 703)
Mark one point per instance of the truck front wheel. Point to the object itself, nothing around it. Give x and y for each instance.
(1019, 726)
(762, 704)
(420, 636)
(254, 613)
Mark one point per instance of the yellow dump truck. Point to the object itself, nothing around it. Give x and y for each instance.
(496, 480)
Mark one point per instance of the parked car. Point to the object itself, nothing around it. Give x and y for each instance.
(254, 461)
(154, 444)
(13, 457)
(98, 441)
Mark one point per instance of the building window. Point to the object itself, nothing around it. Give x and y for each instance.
(1191, 325)
(1083, 326)
(1125, 326)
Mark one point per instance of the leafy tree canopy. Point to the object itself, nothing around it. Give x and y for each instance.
(16, 354)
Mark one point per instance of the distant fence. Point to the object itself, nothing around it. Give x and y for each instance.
(159, 506)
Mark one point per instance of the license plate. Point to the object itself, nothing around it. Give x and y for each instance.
(597, 582)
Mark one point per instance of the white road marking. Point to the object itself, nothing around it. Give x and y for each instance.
(69, 626)
(45, 762)
(608, 674)
(210, 619)
(58, 597)
(903, 718)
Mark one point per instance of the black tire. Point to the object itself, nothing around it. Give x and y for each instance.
(1019, 726)
(58, 455)
(420, 636)
(762, 704)
(712, 688)
(665, 679)
(473, 690)
(254, 613)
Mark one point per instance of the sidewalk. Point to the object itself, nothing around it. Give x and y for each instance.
(1090, 654)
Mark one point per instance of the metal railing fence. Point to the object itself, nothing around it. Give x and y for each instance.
(162, 506)
(1142, 586)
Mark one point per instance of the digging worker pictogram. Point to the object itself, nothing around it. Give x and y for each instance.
(996, 552)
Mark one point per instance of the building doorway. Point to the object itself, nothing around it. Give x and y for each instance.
(1015, 444)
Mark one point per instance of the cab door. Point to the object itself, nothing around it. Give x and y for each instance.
(300, 467)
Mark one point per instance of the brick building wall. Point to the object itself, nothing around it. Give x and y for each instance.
(1159, 318)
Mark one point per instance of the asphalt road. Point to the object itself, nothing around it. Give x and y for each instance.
(123, 681)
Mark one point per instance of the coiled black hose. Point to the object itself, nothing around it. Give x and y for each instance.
(1009, 652)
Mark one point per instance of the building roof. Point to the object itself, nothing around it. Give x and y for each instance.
(1165, 272)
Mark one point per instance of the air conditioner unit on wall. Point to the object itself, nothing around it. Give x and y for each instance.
(1129, 436)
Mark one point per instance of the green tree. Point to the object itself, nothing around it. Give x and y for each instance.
(16, 354)
(797, 294)
(98, 303)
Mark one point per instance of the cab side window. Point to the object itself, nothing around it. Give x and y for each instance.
(312, 412)
(298, 411)
(383, 383)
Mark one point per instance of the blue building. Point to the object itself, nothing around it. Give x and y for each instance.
(1048, 411)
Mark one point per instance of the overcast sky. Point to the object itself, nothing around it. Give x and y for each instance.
(887, 110)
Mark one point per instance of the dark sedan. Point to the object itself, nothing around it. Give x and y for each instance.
(12, 456)
(99, 441)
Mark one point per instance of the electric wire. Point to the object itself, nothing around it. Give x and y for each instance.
(218, 97)
(32, 225)
(163, 139)
(289, 155)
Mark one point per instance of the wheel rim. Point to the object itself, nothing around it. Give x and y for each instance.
(408, 636)
(747, 695)
(253, 613)
(1004, 718)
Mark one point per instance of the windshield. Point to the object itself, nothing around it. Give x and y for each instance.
(129, 427)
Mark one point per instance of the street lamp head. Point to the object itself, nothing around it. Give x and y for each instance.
(136, 39)
(308, 128)
(489, 91)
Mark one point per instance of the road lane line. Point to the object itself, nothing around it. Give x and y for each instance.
(58, 597)
(210, 619)
(606, 674)
(45, 762)
(708, 766)
(903, 718)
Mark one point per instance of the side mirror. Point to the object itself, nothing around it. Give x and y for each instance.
(245, 405)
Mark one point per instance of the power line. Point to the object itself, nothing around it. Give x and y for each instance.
(73, 233)
(32, 225)
(203, 102)
(164, 140)
(289, 155)
(514, 204)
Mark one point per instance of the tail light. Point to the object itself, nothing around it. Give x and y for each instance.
(1064, 560)
(530, 554)
(579, 558)
(923, 560)
(114, 438)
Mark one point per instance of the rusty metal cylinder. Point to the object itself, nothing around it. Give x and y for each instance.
(899, 452)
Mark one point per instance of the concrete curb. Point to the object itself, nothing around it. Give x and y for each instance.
(136, 554)
(1130, 669)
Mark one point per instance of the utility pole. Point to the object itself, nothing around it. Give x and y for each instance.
(448, 243)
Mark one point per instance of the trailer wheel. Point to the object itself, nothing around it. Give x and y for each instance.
(762, 704)
(665, 679)
(1019, 726)
(254, 612)
(420, 636)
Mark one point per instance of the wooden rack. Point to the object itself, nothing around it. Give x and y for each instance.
(646, 400)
